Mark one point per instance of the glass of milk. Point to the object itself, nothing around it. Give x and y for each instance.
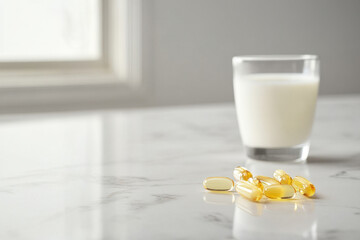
(275, 98)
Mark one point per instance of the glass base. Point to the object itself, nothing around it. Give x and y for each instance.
(297, 153)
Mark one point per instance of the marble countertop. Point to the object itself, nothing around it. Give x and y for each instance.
(137, 174)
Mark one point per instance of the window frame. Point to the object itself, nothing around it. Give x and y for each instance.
(116, 77)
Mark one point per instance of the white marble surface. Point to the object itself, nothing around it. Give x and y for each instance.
(137, 174)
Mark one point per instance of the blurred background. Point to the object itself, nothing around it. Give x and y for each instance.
(83, 54)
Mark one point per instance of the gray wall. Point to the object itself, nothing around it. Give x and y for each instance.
(188, 44)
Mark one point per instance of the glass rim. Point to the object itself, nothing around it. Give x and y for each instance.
(253, 58)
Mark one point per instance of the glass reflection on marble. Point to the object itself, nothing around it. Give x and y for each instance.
(274, 220)
(251, 208)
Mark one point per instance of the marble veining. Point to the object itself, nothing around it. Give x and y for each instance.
(136, 174)
(219, 219)
(353, 174)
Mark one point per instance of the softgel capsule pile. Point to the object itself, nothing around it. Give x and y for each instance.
(280, 186)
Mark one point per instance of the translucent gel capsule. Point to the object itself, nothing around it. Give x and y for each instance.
(248, 190)
(256, 182)
(282, 177)
(279, 191)
(218, 184)
(267, 181)
(303, 186)
(241, 173)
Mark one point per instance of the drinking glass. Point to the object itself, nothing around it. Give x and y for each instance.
(275, 98)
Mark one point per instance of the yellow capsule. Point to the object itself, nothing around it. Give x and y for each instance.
(218, 184)
(267, 181)
(241, 173)
(256, 182)
(248, 190)
(282, 177)
(279, 191)
(303, 186)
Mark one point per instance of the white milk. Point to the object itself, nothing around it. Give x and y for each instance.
(275, 110)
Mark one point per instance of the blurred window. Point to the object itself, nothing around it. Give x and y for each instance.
(50, 30)
(69, 52)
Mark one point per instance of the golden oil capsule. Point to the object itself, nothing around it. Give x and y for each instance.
(241, 173)
(303, 186)
(267, 181)
(279, 191)
(248, 190)
(282, 177)
(256, 182)
(218, 184)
